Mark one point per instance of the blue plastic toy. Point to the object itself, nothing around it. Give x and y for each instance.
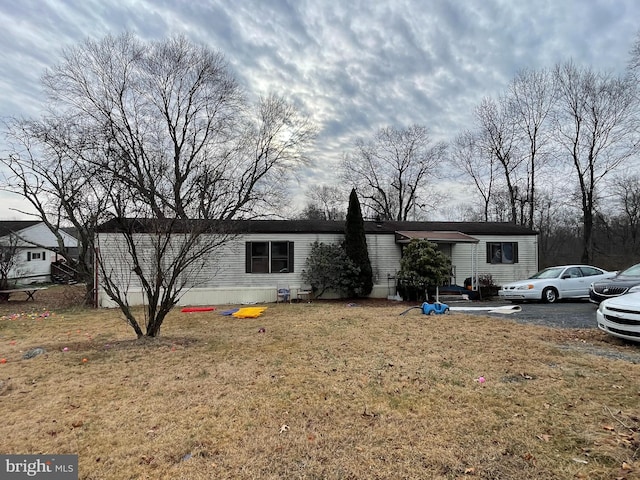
(435, 308)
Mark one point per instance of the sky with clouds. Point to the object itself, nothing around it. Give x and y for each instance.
(354, 66)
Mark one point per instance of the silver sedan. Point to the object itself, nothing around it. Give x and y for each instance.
(554, 283)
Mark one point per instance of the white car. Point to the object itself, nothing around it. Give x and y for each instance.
(620, 316)
(554, 283)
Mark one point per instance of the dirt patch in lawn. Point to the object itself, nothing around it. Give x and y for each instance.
(318, 390)
(54, 297)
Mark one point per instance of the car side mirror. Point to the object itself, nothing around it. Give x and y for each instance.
(565, 276)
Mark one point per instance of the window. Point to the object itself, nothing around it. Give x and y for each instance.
(502, 252)
(259, 257)
(36, 256)
(269, 257)
(573, 272)
(279, 257)
(589, 271)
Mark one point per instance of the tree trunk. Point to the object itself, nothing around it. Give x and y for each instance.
(153, 327)
(89, 295)
(587, 237)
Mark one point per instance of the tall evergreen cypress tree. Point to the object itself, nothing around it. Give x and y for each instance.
(355, 244)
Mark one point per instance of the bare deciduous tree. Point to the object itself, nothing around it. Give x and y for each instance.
(391, 173)
(531, 96)
(626, 190)
(596, 128)
(634, 59)
(325, 202)
(497, 140)
(162, 258)
(9, 261)
(472, 162)
(270, 149)
(162, 131)
(49, 166)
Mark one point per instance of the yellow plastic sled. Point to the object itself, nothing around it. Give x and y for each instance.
(249, 312)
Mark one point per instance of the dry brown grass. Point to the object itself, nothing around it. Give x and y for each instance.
(327, 391)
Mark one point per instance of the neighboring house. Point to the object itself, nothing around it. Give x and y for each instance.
(267, 254)
(34, 249)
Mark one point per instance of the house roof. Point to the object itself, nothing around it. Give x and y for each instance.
(35, 233)
(9, 226)
(464, 229)
(437, 237)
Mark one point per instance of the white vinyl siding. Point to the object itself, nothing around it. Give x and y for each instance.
(463, 256)
(225, 270)
(463, 259)
(503, 273)
(223, 278)
(36, 247)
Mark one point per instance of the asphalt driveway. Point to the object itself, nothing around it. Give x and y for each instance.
(563, 314)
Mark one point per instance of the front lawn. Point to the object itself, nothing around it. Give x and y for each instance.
(318, 390)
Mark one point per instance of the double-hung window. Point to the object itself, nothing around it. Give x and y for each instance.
(269, 257)
(502, 252)
(36, 256)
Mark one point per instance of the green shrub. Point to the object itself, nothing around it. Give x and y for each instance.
(329, 268)
(422, 266)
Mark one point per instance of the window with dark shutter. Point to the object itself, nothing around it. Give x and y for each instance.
(290, 257)
(269, 257)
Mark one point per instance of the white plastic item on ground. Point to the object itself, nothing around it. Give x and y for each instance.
(506, 309)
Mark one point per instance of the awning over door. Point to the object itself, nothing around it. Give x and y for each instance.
(449, 238)
(435, 236)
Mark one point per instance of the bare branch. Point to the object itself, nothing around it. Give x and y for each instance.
(391, 172)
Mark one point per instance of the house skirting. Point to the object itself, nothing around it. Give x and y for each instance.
(224, 296)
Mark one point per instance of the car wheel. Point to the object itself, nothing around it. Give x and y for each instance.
(549, 295)
(432, 312)
(446, 311)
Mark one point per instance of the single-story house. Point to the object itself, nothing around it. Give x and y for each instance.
(33, 248)
(267, 254)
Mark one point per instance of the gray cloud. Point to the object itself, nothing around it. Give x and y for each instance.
(352, 66)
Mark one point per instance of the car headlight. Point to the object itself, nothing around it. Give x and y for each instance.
(635, 288)
(601, 307)
(525, 287)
